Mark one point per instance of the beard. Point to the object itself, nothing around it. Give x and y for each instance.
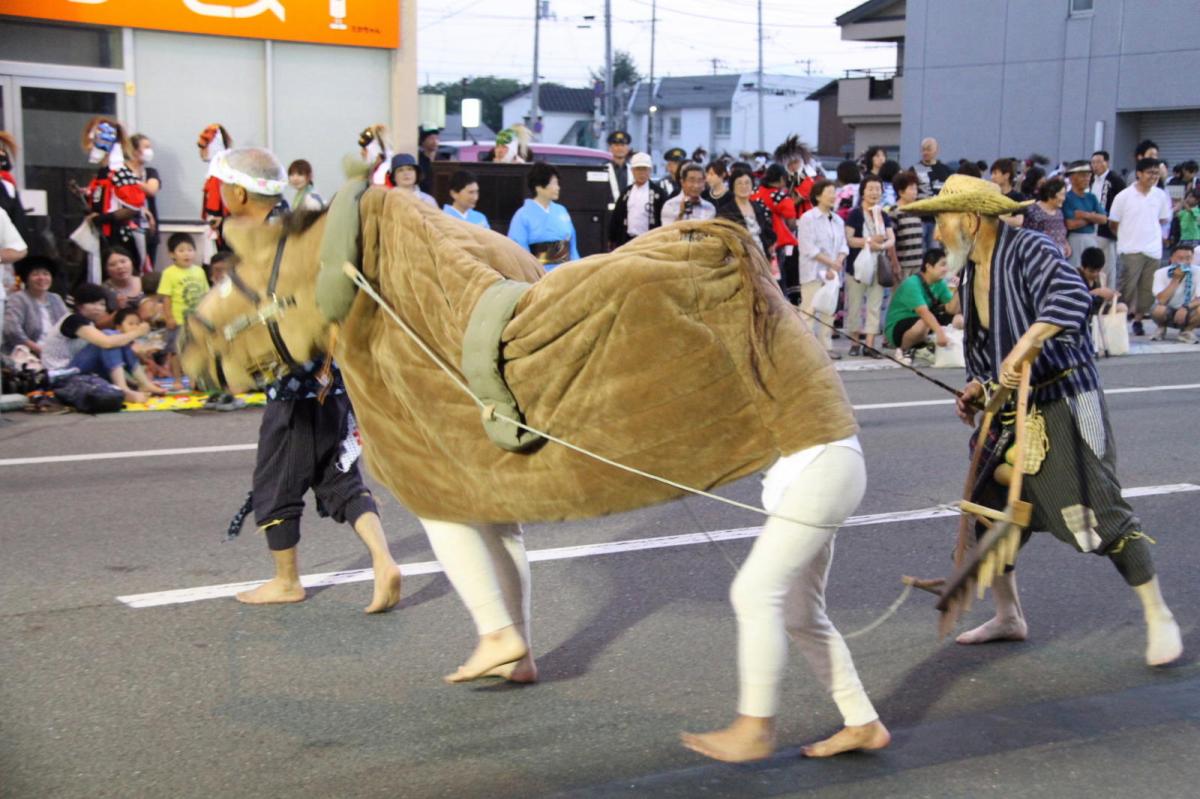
(958, 251)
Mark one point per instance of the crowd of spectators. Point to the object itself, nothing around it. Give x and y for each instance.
(842, 234)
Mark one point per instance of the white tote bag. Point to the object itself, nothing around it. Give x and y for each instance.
(951, 356)
(826, 298)
(1110, 331)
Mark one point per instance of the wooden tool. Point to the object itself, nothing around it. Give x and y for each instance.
(976, 567)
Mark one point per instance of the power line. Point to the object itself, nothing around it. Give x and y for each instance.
(730, 21)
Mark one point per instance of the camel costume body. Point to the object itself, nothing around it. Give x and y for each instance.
(674, 355)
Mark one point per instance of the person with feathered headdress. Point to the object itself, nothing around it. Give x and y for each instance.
(512, 145)
(213, 141)
(115, 197)
(376, 152)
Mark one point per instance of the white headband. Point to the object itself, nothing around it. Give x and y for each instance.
(225, 173)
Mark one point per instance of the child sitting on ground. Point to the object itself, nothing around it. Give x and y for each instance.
(181, 288)
(1091, 269)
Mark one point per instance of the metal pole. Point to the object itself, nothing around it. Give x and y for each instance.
(533, 91)
(609, 92)
(650, 116)
(760, 77)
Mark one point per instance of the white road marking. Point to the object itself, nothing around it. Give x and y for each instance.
(184, 595)
(138, 453)
(158, 453)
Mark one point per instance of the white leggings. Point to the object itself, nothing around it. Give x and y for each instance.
(487, 566)
(780, 589)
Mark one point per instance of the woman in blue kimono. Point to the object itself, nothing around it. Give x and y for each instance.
(464, 194)
(541, 225)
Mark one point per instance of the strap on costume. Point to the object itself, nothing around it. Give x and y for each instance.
(481, 357)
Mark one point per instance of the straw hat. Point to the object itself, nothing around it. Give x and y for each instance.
(967, 195)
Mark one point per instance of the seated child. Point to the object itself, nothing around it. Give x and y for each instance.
(76, 342)
(1091, 269)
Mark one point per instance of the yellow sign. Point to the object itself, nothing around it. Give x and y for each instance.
(357, 23)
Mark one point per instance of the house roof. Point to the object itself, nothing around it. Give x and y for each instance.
(868, 9)
(825, 91)
(560, 99)
(698, 91)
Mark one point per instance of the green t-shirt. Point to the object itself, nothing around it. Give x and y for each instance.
(185, 287)
(911, 295)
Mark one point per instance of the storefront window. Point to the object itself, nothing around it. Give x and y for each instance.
(60, 43)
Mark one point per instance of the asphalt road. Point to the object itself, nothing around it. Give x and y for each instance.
(215, 699)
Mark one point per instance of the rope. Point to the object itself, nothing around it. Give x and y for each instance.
(884, 355)
(361, 281)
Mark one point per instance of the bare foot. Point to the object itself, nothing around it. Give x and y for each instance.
(387, 589)
(1163, 641)
(135, 396)
(273, 592)
(522, 671)
(996, 629)
(747, 738)
(866, 738)
(494, 650)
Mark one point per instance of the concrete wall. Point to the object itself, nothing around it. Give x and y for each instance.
(323, 97)
(990, 79)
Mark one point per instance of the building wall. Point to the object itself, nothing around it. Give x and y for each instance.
(324, 96)
(992, 79)
(834, 137)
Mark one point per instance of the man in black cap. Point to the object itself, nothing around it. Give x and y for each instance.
(674, 157)
(427, 146)
(620, 176)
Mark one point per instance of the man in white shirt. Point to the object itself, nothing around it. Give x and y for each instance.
(1177, 296)
(639, 208)
(688, 204)
(1137, 216)
(12, 249)
(823, 250)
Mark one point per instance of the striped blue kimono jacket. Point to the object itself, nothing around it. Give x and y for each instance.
(1032, 282)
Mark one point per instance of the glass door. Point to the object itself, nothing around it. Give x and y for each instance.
(48, 117)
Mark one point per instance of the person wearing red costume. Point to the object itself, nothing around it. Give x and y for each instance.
(775, 196)
(213, 141)
(115, 197)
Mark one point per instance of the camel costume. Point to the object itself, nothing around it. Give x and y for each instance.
(675, 354)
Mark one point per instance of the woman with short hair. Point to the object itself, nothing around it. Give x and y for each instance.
(464, 194)
(541, 225)
(1046, 216)
(31, 313)
(300, 178)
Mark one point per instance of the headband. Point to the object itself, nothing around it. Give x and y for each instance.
(225, 173)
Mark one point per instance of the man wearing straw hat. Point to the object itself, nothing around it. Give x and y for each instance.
(1024, 304)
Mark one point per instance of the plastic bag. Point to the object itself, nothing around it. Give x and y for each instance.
(826, 299)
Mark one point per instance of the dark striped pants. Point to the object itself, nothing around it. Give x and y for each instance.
(1076, 495)
(299, 443)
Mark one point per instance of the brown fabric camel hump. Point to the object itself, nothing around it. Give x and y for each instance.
(675, 355)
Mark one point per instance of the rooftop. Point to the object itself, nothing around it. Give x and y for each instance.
(555, 99)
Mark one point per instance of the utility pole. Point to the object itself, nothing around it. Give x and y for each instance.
(760, 78)
(533, 89)
(650, 107)
(715, 61)
(609, 89)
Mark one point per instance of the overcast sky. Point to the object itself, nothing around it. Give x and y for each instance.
(458, 38)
